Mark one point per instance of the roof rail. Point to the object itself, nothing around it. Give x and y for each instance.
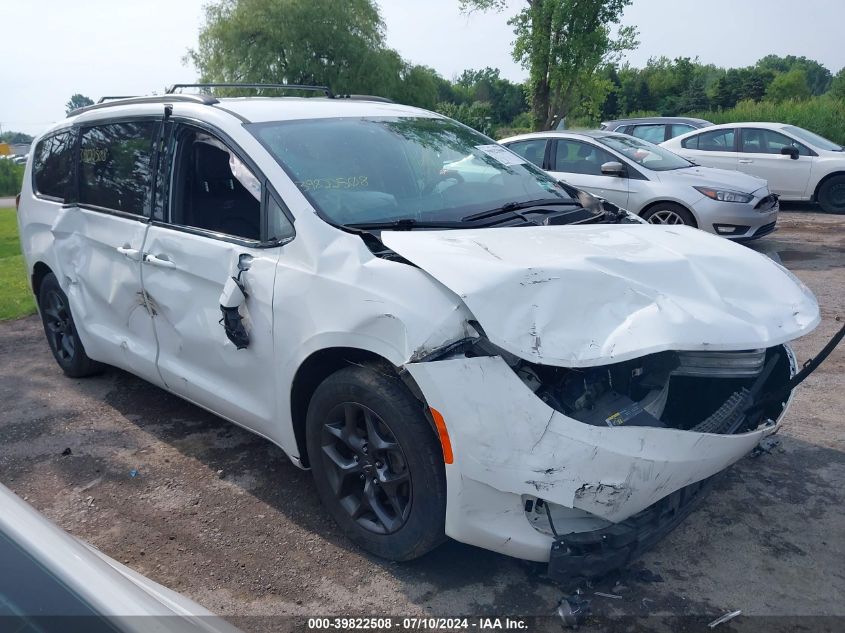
(365, 98)
(113, 98)
(167, 98)
(324, 89)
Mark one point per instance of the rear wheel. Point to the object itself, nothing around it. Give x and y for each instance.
(377, 464)
(61, 332)
(832, 195)
(669, 213)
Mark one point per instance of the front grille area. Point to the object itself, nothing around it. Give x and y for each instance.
(768, 203)
(765, 229)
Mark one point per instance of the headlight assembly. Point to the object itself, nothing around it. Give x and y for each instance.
(725, 195)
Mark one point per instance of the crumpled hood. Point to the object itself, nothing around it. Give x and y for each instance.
(712, 177)
(578, 296)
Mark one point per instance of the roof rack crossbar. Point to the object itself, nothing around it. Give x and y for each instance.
(167, 98)
(324, 89)
(365, 98)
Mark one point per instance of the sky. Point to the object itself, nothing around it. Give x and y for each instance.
(55, 48)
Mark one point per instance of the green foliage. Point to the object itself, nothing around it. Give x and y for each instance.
(563, 44)
(77, 101)
(789, 85)
(11, 177)
(15, 296)
(823, 115)
(477, 115)
(15, 137)
(837, 86)
(818, 77)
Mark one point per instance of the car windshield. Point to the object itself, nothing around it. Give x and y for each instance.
(403, 169)
(813, 138)
(644, 153)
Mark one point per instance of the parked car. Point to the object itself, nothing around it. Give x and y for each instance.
(52, 582)
(657, 185)
(799, 165)
(655, 129)
(429, 322)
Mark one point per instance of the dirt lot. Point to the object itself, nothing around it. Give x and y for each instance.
(223, 517)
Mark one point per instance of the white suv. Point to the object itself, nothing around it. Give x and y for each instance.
(430, 323)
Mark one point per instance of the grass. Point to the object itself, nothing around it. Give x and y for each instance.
(15, 296)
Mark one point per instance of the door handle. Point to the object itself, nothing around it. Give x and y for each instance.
(130, 253)
(162, 261)
(745, 161)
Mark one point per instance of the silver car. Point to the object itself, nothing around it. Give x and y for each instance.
(659, 186)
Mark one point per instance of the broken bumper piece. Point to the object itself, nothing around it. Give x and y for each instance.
(594, 554)
(510, 447)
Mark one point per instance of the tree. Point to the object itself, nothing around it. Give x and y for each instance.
(789, 85)
(77, 101)
(817, 76)
(563, 44)
(15, 137)
(296, 41)
(837, 86)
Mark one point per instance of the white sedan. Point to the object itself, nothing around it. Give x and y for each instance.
(799, 165)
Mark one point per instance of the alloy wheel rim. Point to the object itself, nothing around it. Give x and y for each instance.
(59, 326)
(665, 216)
(366, 468)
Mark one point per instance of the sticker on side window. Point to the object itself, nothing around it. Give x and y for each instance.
(501, 154)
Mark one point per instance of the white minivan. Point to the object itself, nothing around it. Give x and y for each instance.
(448, 340)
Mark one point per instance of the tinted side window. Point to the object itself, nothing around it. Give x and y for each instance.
(676, 129)
(715, 141)
(533, 151)
(115, 165)
(53, 165)
(651, 133)
(758, 141)
(214, 190)
(575, 157)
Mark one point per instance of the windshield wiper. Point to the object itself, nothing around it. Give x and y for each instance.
(405, 224)
(514, 208)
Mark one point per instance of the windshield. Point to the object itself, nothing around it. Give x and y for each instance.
(644, 153)
(377, 170)
(812, 138)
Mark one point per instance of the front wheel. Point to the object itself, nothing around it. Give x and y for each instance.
(669, 213)
(832, 195)
(60, 329)
(377, 464)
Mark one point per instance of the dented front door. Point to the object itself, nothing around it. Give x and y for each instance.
(183, 276)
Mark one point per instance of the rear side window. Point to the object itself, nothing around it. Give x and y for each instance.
(115, 164)
(676, 129)
(651, 133)
(715, 141)
(534, 151)
(53, 166)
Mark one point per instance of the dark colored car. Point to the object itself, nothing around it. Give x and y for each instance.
(655, 129)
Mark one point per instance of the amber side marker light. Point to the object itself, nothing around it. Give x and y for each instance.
(444, 435)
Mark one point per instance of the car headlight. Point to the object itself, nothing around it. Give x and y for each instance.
(725, 195)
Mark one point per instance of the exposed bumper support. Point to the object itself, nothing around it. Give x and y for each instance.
(593, 554)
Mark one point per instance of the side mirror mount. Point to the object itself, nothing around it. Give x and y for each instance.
(791, 151)
(614, 168)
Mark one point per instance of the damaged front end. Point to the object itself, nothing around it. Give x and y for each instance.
(593, 465)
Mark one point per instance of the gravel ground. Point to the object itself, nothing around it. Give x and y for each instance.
(223, 517)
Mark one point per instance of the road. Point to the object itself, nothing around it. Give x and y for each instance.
(223, 517)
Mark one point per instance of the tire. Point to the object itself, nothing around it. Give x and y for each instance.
(831, 195)
(669, 213)
(362, 426)
(60, 331)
